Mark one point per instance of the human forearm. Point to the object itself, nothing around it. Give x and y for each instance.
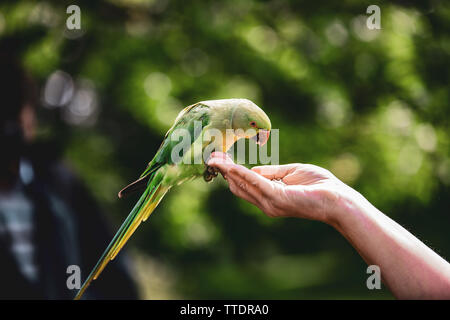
(408, 267)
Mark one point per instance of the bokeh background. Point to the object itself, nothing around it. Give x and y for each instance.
(370, 105)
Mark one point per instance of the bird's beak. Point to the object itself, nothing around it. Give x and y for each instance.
(261, 137)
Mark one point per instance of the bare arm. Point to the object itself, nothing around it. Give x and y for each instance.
(408, 267)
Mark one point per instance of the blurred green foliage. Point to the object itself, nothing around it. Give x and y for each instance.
(370, 105)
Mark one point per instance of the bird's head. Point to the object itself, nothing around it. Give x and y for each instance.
(250, 121)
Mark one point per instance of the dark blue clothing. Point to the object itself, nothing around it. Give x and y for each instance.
(48, 222)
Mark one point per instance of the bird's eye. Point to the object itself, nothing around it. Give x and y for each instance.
(253, 124)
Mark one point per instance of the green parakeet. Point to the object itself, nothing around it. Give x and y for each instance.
(176, 162)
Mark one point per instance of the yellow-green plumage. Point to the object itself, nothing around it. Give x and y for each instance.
(162, 173)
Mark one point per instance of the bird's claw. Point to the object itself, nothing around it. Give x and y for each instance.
(210, 173)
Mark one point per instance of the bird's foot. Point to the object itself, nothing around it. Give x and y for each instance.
(210, 173)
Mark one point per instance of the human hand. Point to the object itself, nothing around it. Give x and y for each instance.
(292, 190)
(411, 270)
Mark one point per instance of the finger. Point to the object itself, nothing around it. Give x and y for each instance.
(221, 161)
(251, 182)
(237, 185)
(264, 197)
(219, 155)
(275, 171)
(240, 192)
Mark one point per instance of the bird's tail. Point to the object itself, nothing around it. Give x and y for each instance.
(148, 201)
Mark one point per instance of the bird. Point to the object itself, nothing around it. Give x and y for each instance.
(206, 126)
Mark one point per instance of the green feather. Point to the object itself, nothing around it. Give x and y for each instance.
(162, 173)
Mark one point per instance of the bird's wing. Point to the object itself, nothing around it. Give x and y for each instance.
(185, 119)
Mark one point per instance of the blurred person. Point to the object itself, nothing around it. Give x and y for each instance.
(48, 219)
(409, 268)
